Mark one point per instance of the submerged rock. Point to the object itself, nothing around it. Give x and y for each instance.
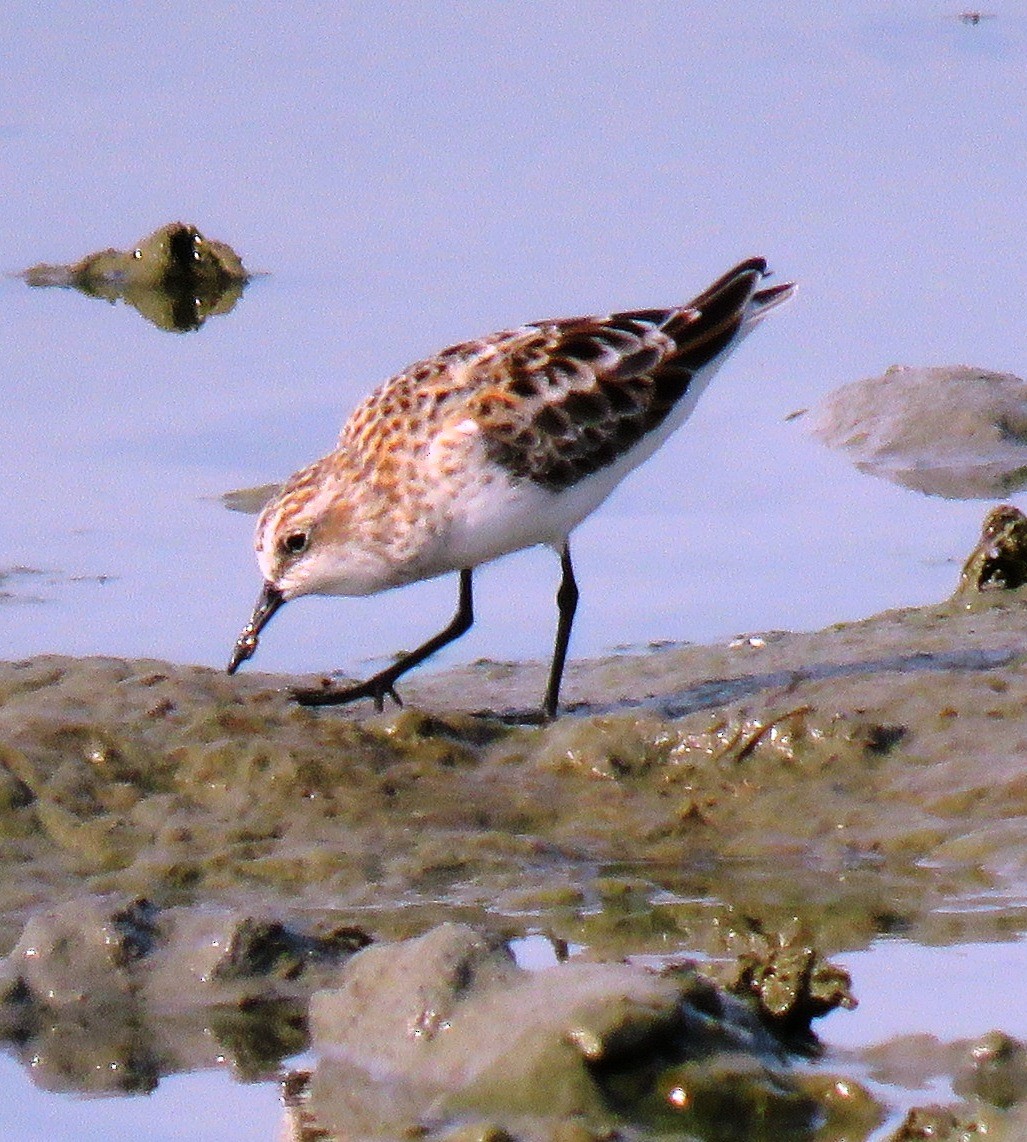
(176, 278)
(955, 431)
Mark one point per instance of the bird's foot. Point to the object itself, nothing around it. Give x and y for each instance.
(377, 688)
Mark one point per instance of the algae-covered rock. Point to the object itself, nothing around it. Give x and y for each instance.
(939, 1124)
(995, 1071)
(733, 1095)
(791, 983)
(999, 561)
(176, 278)
(849, 1111)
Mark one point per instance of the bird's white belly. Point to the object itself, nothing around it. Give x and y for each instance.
(490, 514)
(498, 515)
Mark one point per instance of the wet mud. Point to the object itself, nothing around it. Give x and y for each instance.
(191, 851)
(175, 277)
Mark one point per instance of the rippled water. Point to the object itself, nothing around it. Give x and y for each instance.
(411, 176)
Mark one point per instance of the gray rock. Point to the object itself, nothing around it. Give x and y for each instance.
(955, 431)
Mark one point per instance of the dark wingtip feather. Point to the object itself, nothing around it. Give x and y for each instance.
(707, 325)
(719, 306)
(774, 295)
(752, 269)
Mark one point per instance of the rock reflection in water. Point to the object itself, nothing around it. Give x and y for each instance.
(105, 995)
(954, 431)
(176, 278)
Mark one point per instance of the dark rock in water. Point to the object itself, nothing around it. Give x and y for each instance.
(954, 431)
(789, 981)
(999, 561)
(176, 278)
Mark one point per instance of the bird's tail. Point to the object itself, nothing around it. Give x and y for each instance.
(738, 291)
(728, 309)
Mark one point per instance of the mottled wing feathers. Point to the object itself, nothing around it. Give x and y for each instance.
(590, 388)
(558, 400)
(584, 391)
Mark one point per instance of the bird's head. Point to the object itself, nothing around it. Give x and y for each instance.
(306, 544)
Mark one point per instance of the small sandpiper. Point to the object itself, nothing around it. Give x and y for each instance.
(488, 447)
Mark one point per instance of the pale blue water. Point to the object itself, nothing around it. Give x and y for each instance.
(412, 175)
(413, 179)
(202, 1107)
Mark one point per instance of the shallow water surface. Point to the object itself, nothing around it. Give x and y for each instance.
(403, 194)
(887, 977)
(413, 180)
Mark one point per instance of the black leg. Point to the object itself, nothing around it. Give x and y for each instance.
(382, 683)
(566, 602)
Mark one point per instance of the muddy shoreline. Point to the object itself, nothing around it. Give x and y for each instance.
(788, 791)
(890, 746)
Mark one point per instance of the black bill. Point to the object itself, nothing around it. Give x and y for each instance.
(268, 602)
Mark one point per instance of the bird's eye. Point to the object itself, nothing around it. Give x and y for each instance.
(295, 542)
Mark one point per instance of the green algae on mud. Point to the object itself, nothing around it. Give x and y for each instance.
(889, 749)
